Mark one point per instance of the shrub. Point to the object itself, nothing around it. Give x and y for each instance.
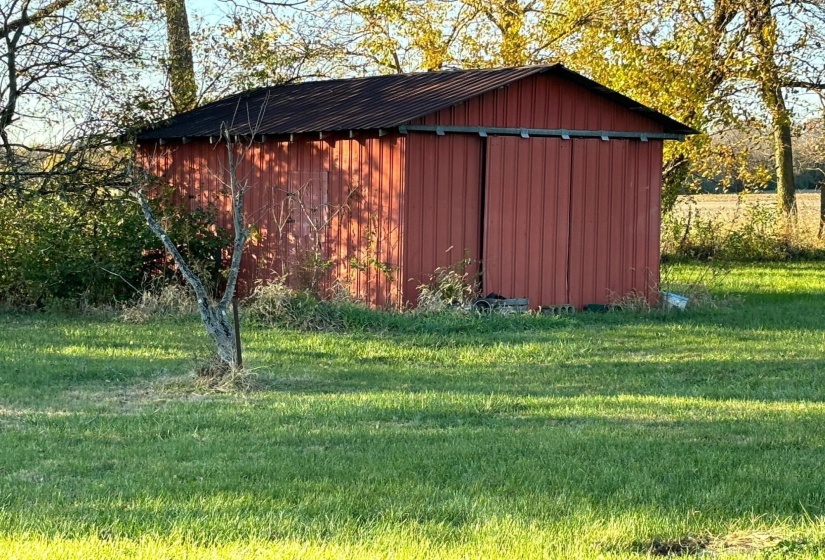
(201, 242)
(95, 248)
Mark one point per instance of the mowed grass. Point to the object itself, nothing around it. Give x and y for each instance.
(614, 435)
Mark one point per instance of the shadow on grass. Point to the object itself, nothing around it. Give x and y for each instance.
(341, 466)
(633, 357)
(789, 380)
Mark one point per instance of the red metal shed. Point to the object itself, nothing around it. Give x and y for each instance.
(549, 180)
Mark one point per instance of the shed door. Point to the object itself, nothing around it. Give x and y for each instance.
(527, 218)
(614, 209)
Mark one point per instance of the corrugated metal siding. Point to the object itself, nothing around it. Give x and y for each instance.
(543, 101)
(614, 236)
(444, 205)
(572, 221)
(526, 235)
(612, 203)
(355, 185)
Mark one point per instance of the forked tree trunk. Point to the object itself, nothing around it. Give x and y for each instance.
(214, 317)
(214, 314)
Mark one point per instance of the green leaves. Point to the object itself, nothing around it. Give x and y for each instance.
(75, 247)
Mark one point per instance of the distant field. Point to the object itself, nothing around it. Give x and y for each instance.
(735, 206)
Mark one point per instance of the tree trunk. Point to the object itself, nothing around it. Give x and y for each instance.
(217, 325)
(181, 68)
(821, 209)
(763, 30)
(214, 315)
(783, 155)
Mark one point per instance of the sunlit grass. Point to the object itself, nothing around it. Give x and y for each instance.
(584, 437)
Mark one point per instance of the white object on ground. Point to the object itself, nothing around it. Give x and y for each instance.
(674, 300)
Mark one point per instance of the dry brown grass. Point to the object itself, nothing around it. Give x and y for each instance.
(732, 207)
(634, 302)
(740, 542)
(215, 375)
(171, 300)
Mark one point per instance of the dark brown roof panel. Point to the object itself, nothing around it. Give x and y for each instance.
(362, 103)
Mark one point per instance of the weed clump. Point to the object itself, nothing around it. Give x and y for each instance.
(168, 301)
(449, 287)
(633, 302)
(278, 305)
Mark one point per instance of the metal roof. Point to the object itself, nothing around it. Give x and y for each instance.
(365, 103)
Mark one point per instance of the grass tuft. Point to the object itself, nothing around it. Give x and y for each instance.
(166, 302)
(215, 375)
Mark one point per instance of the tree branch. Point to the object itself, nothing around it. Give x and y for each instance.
(157, 229)
(819, 86)
(29, 19)
(241, 231)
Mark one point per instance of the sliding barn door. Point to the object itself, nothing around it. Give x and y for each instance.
(614, 228)
(527, 212)
(571, 221)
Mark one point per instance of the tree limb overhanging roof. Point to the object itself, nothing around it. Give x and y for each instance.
(379, 102)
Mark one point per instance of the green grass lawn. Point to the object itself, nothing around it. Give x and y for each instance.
(597, 436)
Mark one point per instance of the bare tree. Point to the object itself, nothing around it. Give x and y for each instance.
(58, 60)
(214, 313)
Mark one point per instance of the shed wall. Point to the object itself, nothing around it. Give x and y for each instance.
(610, 211)
(572, 221)
(542, 101)
(444, 205)
(614, 219)
(351, 190)
(527, 208)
